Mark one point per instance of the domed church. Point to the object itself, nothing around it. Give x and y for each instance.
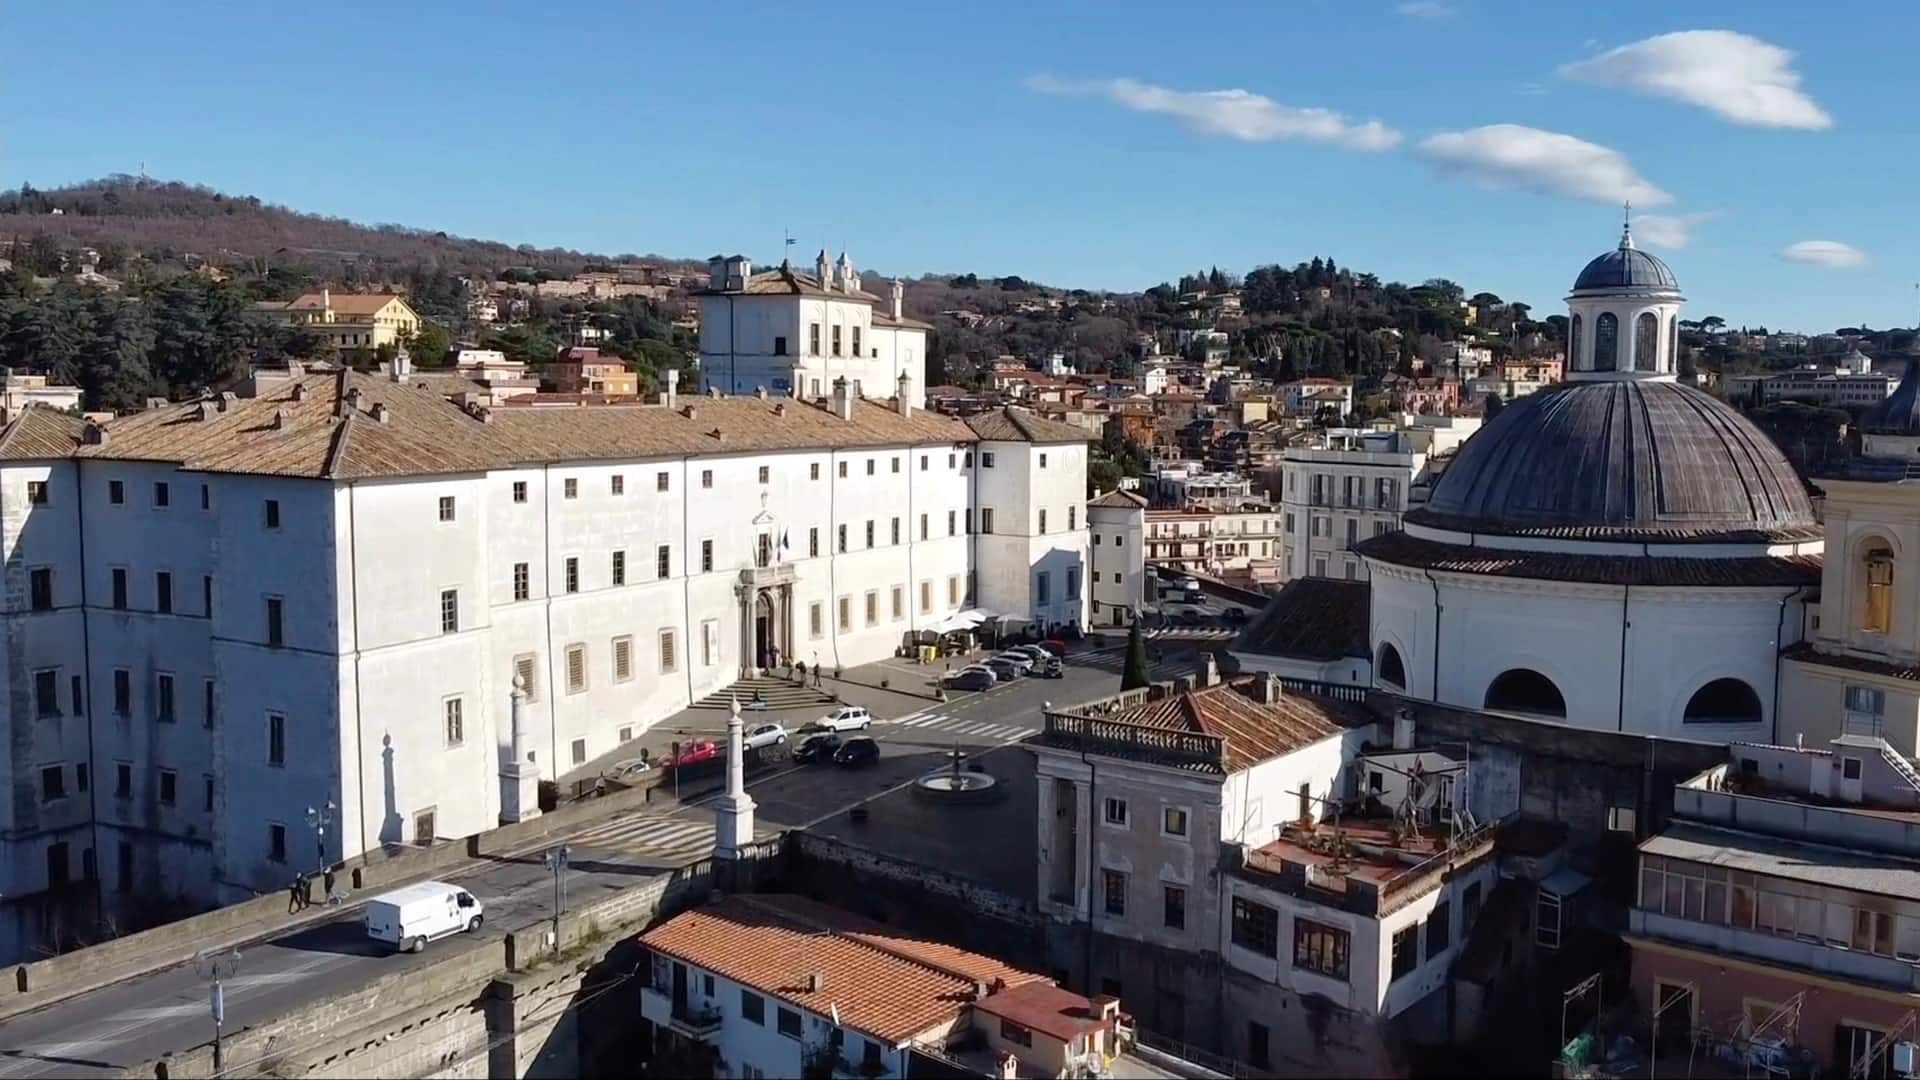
(1619, 552)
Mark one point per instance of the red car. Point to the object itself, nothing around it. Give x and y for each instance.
(692, 753)
(1055, 646)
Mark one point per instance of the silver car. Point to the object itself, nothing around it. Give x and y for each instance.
(1021, 662)
(764, 735)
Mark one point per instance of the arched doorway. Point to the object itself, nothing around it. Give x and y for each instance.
(1723, 701)
(1523, 690)
(1388, 669)
(764, 644)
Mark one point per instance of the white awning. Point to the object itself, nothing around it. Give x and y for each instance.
(961, 620)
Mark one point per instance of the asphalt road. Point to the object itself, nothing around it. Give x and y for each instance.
(100, 1033)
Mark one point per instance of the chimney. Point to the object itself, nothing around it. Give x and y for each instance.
(1209, 673)
(1403, 729)
(353, 398)
(717, 273)
(739, 269)
(816, 982)
(402, 364)
(673, 387)
(206, 411)
(899, 290)
(156, 403)
(842, 399)
(1183, 685)
(779, 408)
(299, 391)
(485, 416)
(760, 392)
(903, 394)
(94, 435)
(980, 989)
(821, 270)
(380, 412)
(718, 435)
(1267, 689)
(691, 413)
(849, 279)
(326, 303)
(227, 398)
(281, 421)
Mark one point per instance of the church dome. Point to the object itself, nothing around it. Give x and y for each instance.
(1626, 268)
(1622, 460)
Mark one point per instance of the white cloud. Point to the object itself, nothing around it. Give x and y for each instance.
(1235, 114)
(1744, 79)
(1425, 9)
(1510, 156)
(1831, 253)
(1669, 230)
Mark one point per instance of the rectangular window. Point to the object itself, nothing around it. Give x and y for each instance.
(923, 526)
(116, 492)
(1017, 1034)
(446, 508)
(660, 482)
(669, 658)
(787, 1022)
(449, 611)
(571, 579)
(779, 345)
(953, 590)
(816, 620)
(576, 668)
(53, 783)
(870, 532)
(986, 459)
(663, 562)
(40, 588)
(122, 692)
(1256, 927)
(622, 659)
(706, 478)
(617, 484)
(1439, 929)
(276, 624)
(870, 466)
(706, 556)
(836, 339)
(453, 714)
(519, 491)
(169, 787)
(753, 1007)
(1174, 907)
(1259, 1054)
(873, 607)
(846, 613)
(766, 474)
(206, 792)
(46, 692)
(841, 538)
(1173, 821)
(843, 470)
(1042, 587)
(899, 597)
(1073, 583)
(926, 597)
(856, 341)
(813, 542)
(163, 592)
(894, 532)
(578, 748)
(206, 704)
(1406, 950)
(521, 584)
(1113, 890)
(162, 495)
(1043, 522)
(123, 780)
(619, 568)
(813, 338)
(1320, 948)
(524, 667)
(1073, 517)
(570, 488)
(986, 519)
(163, 697)
(277, 843)
(952, 523)
(276, 740)
(119, 588)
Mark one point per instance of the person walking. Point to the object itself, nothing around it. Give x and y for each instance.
(327, 884)
(297, 894)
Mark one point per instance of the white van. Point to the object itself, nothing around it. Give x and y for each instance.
(409, 918)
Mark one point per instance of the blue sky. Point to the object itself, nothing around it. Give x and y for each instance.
(1489, 141)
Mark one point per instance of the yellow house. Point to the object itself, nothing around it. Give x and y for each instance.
(352, 321)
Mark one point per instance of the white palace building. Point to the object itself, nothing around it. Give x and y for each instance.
(320, 588)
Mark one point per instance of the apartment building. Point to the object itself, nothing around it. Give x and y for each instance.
(778, 985)
(1777, 917)
(586, 370)
(351, 322)
(1350, 484)
(319, 588)
(1116, 527)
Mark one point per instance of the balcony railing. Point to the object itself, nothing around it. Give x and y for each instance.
(695, 1023)
(1113, 736)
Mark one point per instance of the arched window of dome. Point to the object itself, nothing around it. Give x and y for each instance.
(1522, 690)
(1723, 701)
(1606, 342)
(1573, 344)
(1673, 343)
(1876, 588)
(1390, 671)
(1646, 342)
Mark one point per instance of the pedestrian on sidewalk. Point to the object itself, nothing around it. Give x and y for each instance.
(327, 882)
(297, 894)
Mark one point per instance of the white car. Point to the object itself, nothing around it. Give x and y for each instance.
(765, 735)
(1032, 652)
(1021, 662)
(844, 718)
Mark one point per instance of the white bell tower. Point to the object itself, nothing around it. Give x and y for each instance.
(1623, 317)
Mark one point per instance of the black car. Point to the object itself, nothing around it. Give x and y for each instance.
(857, 752)
(970, 680)
(1236, 616)
(816, 748)
(1051, 669)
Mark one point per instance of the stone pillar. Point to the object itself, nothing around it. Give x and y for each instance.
(519, 775)
(733, 811)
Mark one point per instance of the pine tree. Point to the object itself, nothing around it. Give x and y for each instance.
(1134, 675)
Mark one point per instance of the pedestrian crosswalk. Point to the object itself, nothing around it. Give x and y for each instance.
(930, 723)
(675, 839)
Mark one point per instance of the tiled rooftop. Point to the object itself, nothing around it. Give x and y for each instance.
(1403, 549)
(1311, 619)
(882, 983)
(1011, 424)
(38, 433)
(1254, 731)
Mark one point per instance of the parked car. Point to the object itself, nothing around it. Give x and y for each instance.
(1004, 669)
(1033, 652)
(845, 718)
(1191, 588)
(816, 748)
(857, 752)
(1055, 646)
(692, 752)
(972, 678)
(764, 735)
(1235, 615)
(410, 917)
(1021, 661)
(1191, 617)
(629, 768)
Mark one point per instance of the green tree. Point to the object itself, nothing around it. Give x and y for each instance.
(429, 344)
(1134, 675)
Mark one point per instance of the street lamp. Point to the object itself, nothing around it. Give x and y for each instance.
(318, 820)
(557, 859)
(213, 968)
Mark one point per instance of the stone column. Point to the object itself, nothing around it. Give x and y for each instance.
(733, 811)
(519, 775)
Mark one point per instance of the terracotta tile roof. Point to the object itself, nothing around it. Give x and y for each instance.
(784, 280)
(425, 434)
(1013, 424)
(1124, 500)
(38, 433)
(885, 319)
(1806, 653)
(1312, 619)
(1043, 1007)
(344, 303)
(1403, 550)
(1254, 732)
(883, 984)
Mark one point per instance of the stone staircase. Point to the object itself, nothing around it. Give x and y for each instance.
(777, 693)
